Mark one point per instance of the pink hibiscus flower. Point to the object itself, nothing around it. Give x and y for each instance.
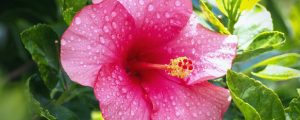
(148, 59)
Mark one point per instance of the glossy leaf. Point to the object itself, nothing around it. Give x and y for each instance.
(287, 60)
(40, 40)
(293, 111)
(263, 42)
(250, 24)
(255, 100)
(276, 73)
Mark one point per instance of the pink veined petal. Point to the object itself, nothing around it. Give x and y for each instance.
(97, 34)
(120, 98)
(158, 20)
(211, 52)
(175, 101)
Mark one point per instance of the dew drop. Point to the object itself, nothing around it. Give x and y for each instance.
(194, 114)
(132, 113)
(113, 14)
(173, 103)
(167, 15)
(124, 90)
(77, 20)
(63, 42)
(193, 51)
(177, 113)
(178, 3)
(142, 2)
(97, 1)
(102, 40)
(106, 18)
(105, 29)
(150, 7)
(114, 24)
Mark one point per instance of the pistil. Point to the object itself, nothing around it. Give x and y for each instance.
(179, 67)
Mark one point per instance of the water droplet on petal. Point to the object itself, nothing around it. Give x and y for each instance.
(177, 3)
(177, 113)
(167, 15)
(124, 90)
(105, 29)
(113, 14)
(77, 20)
(102, 40)
(63, 42)
(142, 2)
(150, 7)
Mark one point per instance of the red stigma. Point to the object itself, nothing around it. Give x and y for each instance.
(180, 64)
(190, 62)
(184, 67)
(185, 60)
(191, 68)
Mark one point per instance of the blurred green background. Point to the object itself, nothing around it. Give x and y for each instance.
(17, 67)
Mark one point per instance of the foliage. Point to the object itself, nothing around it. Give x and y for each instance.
(263, 81)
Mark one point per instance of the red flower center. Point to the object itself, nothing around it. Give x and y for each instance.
(140, 59)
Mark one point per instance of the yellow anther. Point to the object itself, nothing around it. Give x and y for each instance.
(180, 67)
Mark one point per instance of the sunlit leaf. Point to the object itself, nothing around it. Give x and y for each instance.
(248, 4)
(266, 39)
(294, 19)
(263, 42)
(39, 40)
(213, 19)
(97, 115)
(287, 60)
(276, 73)
(252, 23)
(256, 101)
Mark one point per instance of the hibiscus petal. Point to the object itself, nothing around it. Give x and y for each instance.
(212, 53)
(158, 20)
(174, 101)
(97, 34)
(119, 96)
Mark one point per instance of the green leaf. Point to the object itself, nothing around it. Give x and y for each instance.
(294, 19)
(43, 105)
(68, 15)
(97, 115)
(213, 19)
(62, 113)
(250, 24)
(36, 90)
(70, 8)
(39, 40)
(42, 112)
(277, 73)
(287, 60)
(255, 100)
(293, 111)
(248, 4)
(266, 39)
(263, 42)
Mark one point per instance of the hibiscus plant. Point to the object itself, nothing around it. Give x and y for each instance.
(165, 60)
